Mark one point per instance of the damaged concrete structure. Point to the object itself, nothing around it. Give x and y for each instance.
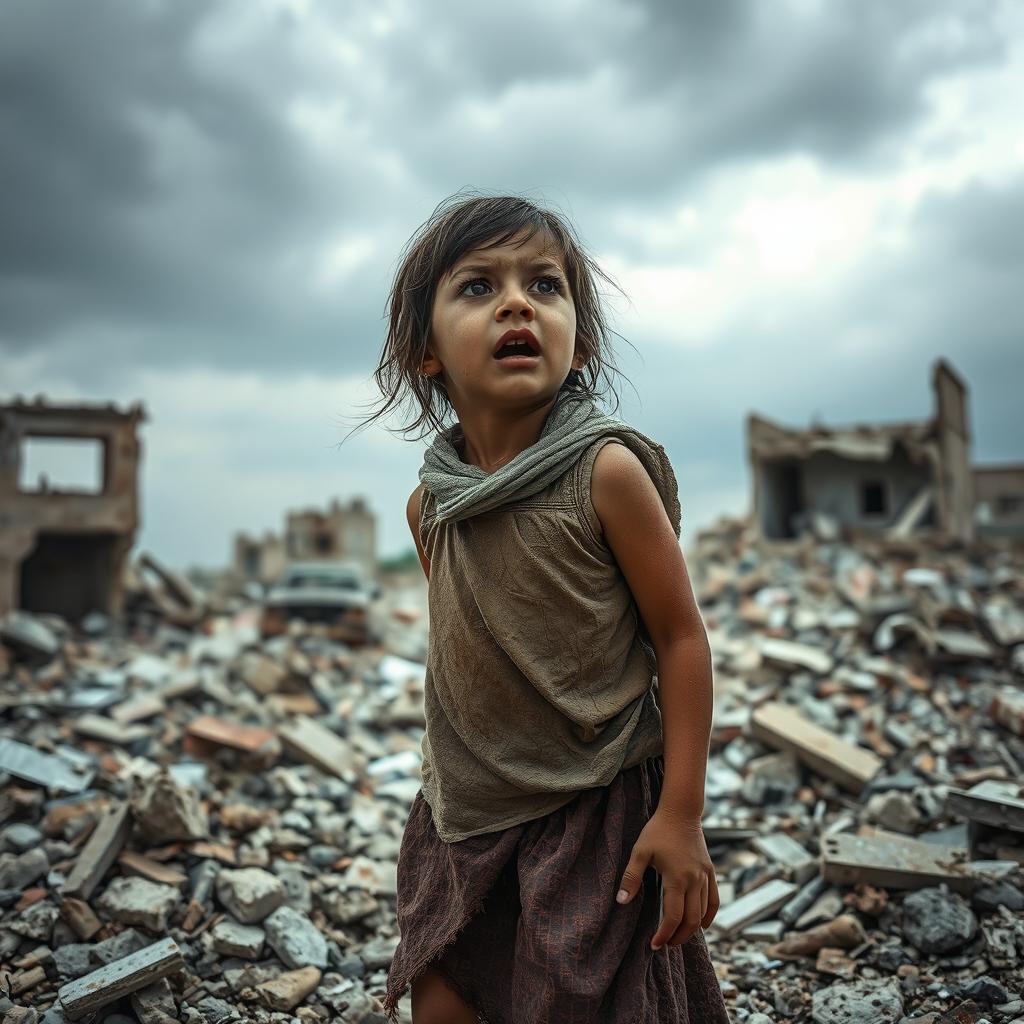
(344, 532)
(259, 559)
(63, 548)
(999, 501)
(897, 478)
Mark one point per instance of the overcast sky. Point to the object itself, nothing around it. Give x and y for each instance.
(201, 207)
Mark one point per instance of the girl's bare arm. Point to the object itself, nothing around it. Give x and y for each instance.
(637, 529)
(412, 514)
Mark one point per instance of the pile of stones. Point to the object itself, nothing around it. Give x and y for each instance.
(201, 825)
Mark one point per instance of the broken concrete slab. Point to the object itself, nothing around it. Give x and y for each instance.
(250, 894)
(893, 863)
(751, 907)
(137, 901)
(1000, 804)
(25, 762)
(798, 864)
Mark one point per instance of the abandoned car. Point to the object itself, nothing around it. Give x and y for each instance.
(334, 594)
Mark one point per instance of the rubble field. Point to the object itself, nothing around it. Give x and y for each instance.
(200, 825)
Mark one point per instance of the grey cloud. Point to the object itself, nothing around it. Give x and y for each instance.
(157, 179)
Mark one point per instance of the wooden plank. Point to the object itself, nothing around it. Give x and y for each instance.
(112, 981)
(146, 867)
(136, 709)
(792, 655)
(893, 863)
(248, 738)
(992, 802)
(752, 906)
(784, 728)
(105, 843)
(309, 741)
(80, 917)
(106, 730)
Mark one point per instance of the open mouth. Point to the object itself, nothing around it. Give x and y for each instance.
(516, 351)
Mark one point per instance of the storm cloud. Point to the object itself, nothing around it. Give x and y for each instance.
(202, 207)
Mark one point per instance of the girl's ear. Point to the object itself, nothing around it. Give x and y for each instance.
(429, 364)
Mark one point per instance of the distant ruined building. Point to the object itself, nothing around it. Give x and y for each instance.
(894, 478)
(342, 533)
(63, 549)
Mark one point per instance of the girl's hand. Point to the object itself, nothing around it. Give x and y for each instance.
(676, 848)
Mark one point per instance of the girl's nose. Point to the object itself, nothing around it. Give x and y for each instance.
(514, 302)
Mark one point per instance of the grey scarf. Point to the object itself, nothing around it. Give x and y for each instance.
(462, 490)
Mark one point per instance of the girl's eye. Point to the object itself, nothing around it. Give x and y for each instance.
(551, 286)
(554, 282)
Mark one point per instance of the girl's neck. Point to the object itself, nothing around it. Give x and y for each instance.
(489, 439)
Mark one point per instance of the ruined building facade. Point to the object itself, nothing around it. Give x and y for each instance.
(894, 478)
(64, 549)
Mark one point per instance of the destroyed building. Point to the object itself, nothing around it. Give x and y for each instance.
(63, 546)
(344, 532)
(999, 501)
(893, 477)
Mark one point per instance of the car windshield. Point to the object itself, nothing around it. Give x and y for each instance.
(322, 581)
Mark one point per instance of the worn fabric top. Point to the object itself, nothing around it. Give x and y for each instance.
(540, 672)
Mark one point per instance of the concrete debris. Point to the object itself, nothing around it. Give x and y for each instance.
(165, 811)
(295, 939)
(864, 804)
(865, 723)
(234, 939)
(287, 990)
(139, 902)
(250, 894)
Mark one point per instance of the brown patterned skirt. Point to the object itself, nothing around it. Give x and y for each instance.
(523, 922)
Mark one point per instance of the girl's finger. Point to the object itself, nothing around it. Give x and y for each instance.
(691, 919)
(675, 908)
(712, 910)
(633, 876)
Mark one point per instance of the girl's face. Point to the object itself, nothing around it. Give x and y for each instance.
(520, 285)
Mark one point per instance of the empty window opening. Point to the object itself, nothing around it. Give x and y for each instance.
(872, 498)
(1009, 504)
(61, 464)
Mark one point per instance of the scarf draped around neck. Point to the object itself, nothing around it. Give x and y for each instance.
(462, 490)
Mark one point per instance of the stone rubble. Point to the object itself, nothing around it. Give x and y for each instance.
(860, 711)
(174, 776)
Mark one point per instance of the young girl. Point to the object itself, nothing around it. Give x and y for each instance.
(553, 869)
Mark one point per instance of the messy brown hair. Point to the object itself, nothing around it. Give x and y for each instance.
(459, 224)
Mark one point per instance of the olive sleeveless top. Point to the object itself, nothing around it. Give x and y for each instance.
(540, 677)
